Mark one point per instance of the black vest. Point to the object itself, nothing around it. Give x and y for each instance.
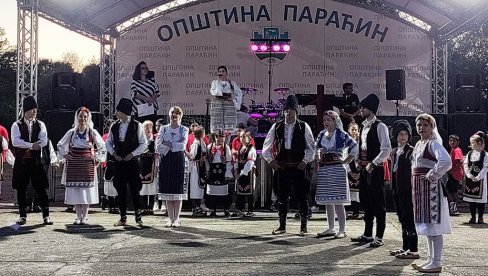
(372, 142)
(401, 180)
(24, 135)
(476, 166)
(131, 141)
(298, 143)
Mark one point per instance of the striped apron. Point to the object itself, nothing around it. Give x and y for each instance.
(223, 114)
(80, 170)
(426, 197)
(332, 183)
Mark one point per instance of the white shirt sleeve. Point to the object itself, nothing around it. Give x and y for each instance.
(52, 154)
(43, 134)
(101, 154)
(216, 88)
(109, 144)
(251, 158)
(228, 163)
(484, 170)
(309, 145)
(16, 140)
(63, 144)
(141, 137)
(467, 171)
(160, 147)
(237, 95)
(443, 164)
(181, 145)
(385, 145)
(268, 144)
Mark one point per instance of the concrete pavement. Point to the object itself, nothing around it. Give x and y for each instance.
(216, 246)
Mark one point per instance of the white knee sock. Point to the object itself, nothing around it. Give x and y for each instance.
(430, 252)
(177, 210)
(330, 216)
(79, 211)
(436, 255)
(170, 210)
(341, 216)
(84, 211)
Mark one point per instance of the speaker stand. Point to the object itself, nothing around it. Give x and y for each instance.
(397, 108)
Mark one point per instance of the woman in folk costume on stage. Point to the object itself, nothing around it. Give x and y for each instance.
(219, 166)
(476, 168)
(246, 175)
(198, 171)
(353, 174)
(332, 181)
(430, 162)
(173, 185)
(82, 147)
(226, 100)
(402, 189)
(147, 167)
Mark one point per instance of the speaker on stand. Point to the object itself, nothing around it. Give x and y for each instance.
(66, 90)
(395, 87)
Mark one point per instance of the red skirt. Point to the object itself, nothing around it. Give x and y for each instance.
(80, 170)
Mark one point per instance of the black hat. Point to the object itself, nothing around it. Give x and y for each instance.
(291, 102)
(371, 102)
(400, 125)
(125, 106)
(29, 103)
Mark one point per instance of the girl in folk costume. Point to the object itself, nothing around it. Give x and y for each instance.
(82, 147)
(147, 167)
(476, 168)
(353, 170)
(4, 147)
(332, 181)
(246, 176)
(219, 166)
(402, 189)
(430, 162)
(170, 144)
(196, 167)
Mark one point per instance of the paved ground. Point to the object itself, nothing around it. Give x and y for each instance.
(206, 246)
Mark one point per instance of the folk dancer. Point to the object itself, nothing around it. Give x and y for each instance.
(29, 135)
(402, 189)
(353, 173)
(226, 100)
(198, 171)
(147, 167)
(430, 162)
(173, 167)
(219, 167)
(288, 148)
(82, 148)
(108, 174)
(375, 148)
(332, 181)
(125, 142)
(476, 168)
(245, 175)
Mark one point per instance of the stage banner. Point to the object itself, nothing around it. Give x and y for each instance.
(331, 44)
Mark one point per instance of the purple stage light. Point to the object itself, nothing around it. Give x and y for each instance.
(254, 47)
(276, 48)
(286, 48)
(263, 47)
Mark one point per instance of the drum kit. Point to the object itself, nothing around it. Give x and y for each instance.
(266, 114)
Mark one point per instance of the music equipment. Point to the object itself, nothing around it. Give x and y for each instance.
(395, 85)
(467, 79)
(467, 99)
(66, 90)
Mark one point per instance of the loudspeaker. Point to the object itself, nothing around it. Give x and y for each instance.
(58, 122)
(467, 79)
(65, 90)
(467, 99)
(465, 125)
(395, 85)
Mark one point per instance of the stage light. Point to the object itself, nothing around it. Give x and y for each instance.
(286, 47)
(276, 48)
(263, 48)
(254, 47)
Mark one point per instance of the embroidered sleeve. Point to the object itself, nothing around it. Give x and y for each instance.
(101, 153)
(251, 157)
(443, 164)
(467, 171)
(181, 144)
(216, 88)
(63, 144)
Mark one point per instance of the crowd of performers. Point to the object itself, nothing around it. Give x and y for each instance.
(173, 165)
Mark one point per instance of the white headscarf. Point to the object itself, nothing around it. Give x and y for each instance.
(435, 133)
(89, 119)
(336, 118)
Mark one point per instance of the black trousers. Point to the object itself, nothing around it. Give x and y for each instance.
(126, 175)
(372, 197)
(287, 181)
(404, 209)
(473, 206)
(241, 202)
(33, 173)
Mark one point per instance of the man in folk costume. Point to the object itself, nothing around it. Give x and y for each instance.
(288, 148)
(29, 135)
(126, 141)
(374, 148)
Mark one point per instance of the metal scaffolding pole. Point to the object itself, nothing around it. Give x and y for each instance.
(27, 52)
(107, 77)
(439, 77)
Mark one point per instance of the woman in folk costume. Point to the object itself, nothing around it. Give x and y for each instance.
(219, 166)
(147, 167)
(226, 100)
(402, 189)
(246, 176)
(476, 168)
(332, 182)
(353, 173)
(197, 169)
(430, 162)
(171, 144)
(82, 147)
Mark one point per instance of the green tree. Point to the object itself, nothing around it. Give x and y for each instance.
(8, 59)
